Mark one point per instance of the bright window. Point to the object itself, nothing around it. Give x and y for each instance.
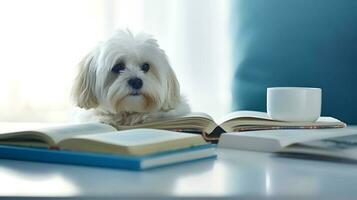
(41, 42)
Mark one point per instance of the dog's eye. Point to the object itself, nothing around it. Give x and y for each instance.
(145, 67)
(118, 68)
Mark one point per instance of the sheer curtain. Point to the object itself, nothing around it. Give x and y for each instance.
(42, 41)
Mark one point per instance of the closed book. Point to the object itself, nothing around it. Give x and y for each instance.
(149, 161)
(315, 143)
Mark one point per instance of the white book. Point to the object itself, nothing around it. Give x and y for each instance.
(337, 143)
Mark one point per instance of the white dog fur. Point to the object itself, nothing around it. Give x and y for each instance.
(102, 84)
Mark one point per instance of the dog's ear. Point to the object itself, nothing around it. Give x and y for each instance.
(84, 83)
(172, 97)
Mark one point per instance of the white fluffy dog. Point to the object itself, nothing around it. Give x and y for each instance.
(128, 80)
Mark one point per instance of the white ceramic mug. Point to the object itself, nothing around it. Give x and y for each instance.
(299, 104)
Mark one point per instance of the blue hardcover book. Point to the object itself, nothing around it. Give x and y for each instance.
(108, 160)
(95, 144)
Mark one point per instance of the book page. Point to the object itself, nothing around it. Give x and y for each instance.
(14, 132)
(192, 121)
(251, 120)
(244, 114)
(59, 133)
(132, 142)
(265, 117)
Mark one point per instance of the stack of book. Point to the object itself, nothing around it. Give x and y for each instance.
(96, 144)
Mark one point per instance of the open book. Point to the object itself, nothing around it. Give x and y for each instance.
(98, 137)
(333, 143)
(100, 145)
(233, 122)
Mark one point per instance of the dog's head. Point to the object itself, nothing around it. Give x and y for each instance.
(127, 73)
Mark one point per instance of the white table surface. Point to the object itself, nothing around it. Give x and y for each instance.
(250, 175)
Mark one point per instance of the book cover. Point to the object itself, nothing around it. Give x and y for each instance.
(108, 160)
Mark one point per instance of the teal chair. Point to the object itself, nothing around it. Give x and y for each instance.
(306, 43)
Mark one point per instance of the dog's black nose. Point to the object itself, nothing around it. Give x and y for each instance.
(135, 83)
